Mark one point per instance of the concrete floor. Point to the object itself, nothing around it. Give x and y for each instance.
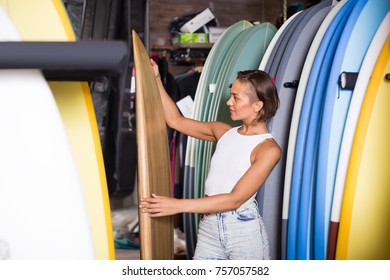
(123, 254)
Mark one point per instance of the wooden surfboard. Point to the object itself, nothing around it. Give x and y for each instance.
(154, 175)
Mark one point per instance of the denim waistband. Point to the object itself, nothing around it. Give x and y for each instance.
(247, 204)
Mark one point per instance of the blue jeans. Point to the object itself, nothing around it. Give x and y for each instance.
(233, 235)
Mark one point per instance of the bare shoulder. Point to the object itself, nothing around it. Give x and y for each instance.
(267, 150)
(219, 129)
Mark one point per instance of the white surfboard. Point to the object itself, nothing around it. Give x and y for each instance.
(47, 20)
(43, 213)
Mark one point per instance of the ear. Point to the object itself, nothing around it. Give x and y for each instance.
(257, 106)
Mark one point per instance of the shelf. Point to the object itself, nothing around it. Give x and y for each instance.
(193, 46)
(185, 54)
(185, 61)
(183, 46)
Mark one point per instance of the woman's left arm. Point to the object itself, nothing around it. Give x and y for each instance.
(265, 157)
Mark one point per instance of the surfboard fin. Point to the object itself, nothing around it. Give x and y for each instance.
(292, 84)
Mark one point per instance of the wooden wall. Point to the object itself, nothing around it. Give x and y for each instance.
(227, 12)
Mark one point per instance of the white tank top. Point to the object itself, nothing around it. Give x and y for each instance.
(231, 160)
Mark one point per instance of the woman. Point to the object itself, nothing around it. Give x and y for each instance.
(231, 227)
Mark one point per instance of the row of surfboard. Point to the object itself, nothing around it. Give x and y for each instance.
(328, 196)
(53, 194)
(54, 201)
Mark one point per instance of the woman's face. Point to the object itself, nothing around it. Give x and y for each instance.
(240, 104)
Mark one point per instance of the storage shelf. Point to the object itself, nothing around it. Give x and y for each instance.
(183, 46)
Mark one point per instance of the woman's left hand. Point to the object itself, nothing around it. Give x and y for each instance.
(155, 68)
(159, 206)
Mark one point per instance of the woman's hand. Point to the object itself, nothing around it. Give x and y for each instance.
(159, 206)
(155, 68)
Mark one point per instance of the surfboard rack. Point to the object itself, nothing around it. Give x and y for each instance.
(67, 61)
(292, 84)
(347, 80)
(88, 61)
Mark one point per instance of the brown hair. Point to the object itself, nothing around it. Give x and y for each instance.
(265, 91)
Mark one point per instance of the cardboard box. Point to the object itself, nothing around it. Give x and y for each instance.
(215, 33)
(197, 22)
(193, 38)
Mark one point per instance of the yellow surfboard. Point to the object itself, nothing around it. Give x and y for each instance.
(154, 176)
(364, 224)
(47, 20)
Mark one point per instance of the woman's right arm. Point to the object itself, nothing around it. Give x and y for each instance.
(210, 131)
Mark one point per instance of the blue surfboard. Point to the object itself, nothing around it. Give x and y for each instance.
(303, 80)
(309, 175)
(311, 106)
(351, 50)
